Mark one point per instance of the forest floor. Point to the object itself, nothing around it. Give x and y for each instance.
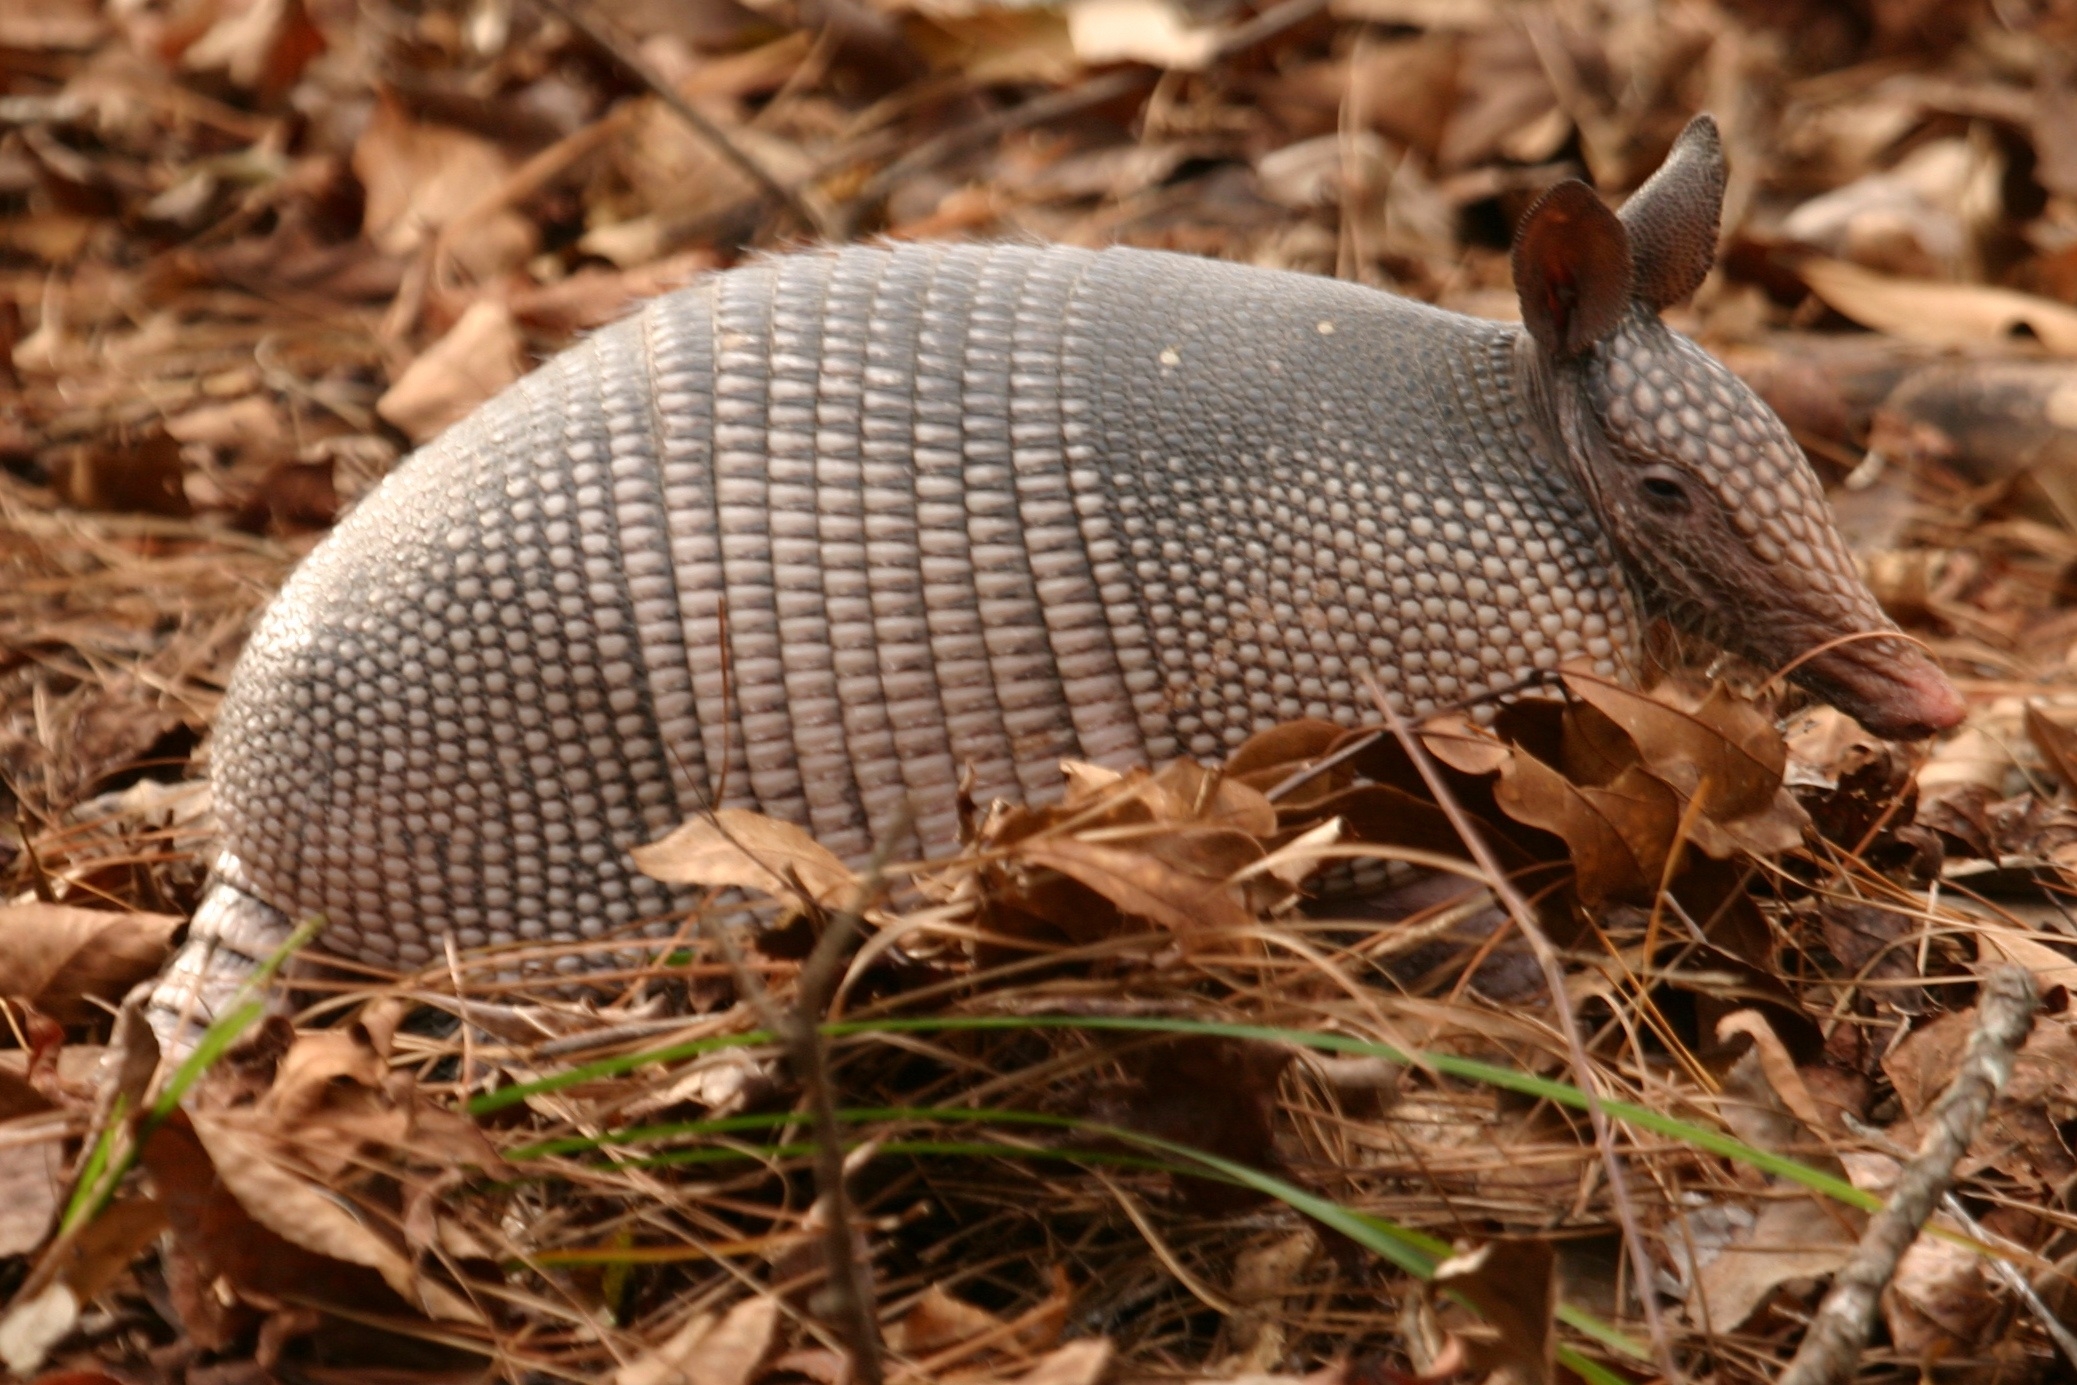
(1115, 1096)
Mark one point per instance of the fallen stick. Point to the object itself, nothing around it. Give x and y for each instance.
(1838, 1333)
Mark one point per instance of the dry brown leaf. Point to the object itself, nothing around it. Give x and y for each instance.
(734, 848)
(1716, 747)
(1158, 32)
(47, 1306)
(1464, 745)
(32, 1172)
(420, 178)
(1941, 314)
(335, 1103)
(1266, 758)
(707, 1352)
(998, 46)
(225, 1268)
(307, 1215)
(1513, 1284)
(2056, 742)
(1133, 879)
(1605, 860)
(940, 1319)
(261, 45)
(59, 958)
(2050, 967)
(1186, 791)
(1298, 858)
(138, 475)
(1080, 1362)
(1938, 1303)
(2022, 1135)
(480, 355)
(50, 25)
(1797, 1238)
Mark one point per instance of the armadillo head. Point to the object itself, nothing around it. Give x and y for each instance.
(1710, 503)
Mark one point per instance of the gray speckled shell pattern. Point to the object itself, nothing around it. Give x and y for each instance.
(815, 534)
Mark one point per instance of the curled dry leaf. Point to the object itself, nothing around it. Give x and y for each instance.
(226, 1266)
(1139, 883)
(60, 958)
(1080, 1362)
(1794, 1239)
(940, 1319)
(1716, 750)
(1940, 314)
(31, 1174)
(1618, 836)
(308, 1215)
(734, 848)
(2022, 1135)
(1513, 1285)
(1938, 1304)
(480, 355)
(708, 1352)
(47, 1306)
(420, 178)
(1148, 31)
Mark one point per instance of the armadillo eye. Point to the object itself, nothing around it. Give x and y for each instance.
(1663, 492)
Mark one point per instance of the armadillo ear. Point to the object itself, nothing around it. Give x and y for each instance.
(1672, 219)
(1571, 270)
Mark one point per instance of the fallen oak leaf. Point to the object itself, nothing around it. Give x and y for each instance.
(59, 958)
(1513, 1286)
(308, 1216)
(1187, 792)
(704, 1351)
(1717, 747)
(75, 1269)
(1940, 314)
(1138, 883)
(1606, 863)
(734, 848)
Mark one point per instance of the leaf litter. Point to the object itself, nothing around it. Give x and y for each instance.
(251, 252)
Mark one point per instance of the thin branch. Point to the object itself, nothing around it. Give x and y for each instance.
(850, 1289)
(850, 1278)
(2004, 1268)
(1839, 1332)
(580, 15)
(1568, 1022)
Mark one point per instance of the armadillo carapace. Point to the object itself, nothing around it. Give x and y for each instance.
(817, 535)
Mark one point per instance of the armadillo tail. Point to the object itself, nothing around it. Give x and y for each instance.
(231, 933)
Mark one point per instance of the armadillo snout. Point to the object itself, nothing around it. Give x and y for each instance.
(1888, 685)
(1748, 555)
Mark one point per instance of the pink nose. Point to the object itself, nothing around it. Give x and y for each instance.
(1908, 701)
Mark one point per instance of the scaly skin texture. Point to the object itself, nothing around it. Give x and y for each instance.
(1121, 507)
(819, 535)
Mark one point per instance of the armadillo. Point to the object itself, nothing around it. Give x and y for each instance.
(826, 533)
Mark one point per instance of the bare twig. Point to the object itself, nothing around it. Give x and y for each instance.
(1568, 1022)
(1832, 1347)
(580, 15)
(2007, 1272)
(1054, 105)
(850, 1288)
(850, 1278)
